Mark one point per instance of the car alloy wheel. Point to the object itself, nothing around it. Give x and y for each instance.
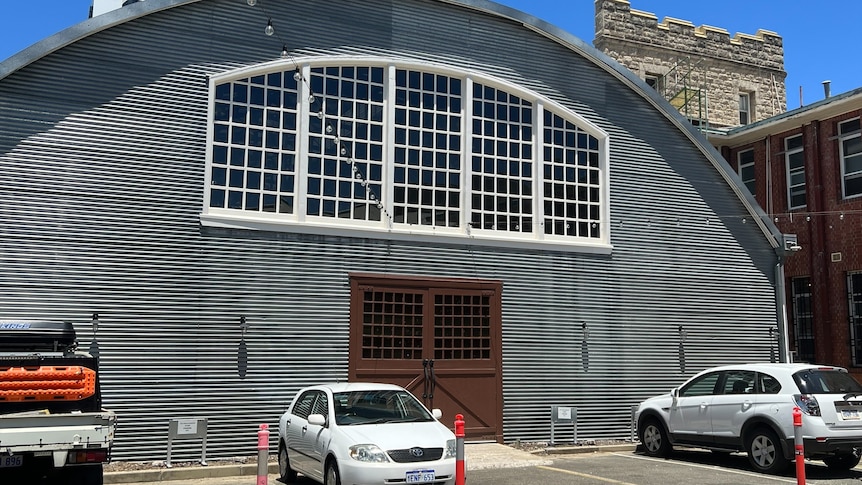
(331, 477)
(764, 451)
(654, 439)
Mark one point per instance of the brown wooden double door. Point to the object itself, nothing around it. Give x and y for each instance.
(439, 338)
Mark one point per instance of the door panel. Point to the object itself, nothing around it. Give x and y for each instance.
(690, 416)
(440, 339)
(733, 405)
(690, 413)
(296, 431)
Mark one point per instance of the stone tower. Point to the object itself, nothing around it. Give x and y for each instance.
(715, 80)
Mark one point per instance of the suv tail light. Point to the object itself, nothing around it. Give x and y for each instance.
(808, 404)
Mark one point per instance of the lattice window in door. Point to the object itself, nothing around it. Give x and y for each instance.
(462, 326)
(392, 324)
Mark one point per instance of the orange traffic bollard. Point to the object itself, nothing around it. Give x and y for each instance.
(459, 450)
(262, 454)
(800, 450)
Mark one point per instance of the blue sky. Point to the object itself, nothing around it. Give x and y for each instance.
(819, 41)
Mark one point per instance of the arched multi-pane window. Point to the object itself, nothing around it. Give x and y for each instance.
(400, 150)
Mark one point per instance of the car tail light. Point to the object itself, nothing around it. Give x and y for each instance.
(808, 404)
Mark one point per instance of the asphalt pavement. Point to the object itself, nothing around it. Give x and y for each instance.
(496, 464)
(478, 456)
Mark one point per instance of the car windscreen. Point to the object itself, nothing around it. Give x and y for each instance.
(378, 406)
(825, 381)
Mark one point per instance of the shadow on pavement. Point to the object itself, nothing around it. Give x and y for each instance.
(739, 461)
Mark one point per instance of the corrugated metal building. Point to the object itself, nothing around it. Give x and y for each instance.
(450, 195)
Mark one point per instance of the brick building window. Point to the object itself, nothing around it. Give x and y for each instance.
(851, 157)
(794, 158)
(745, 108)
(854, 299)
(745, 161)
(803, 319)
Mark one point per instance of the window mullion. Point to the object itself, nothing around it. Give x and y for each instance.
(303, 94)
(467, 162)
(388, 183)
(538, 171)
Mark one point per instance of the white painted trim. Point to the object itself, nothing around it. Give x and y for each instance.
(230, 219)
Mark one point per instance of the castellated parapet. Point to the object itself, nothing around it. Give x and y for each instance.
(703, 59)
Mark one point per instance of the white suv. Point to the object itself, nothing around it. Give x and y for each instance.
(750, 408)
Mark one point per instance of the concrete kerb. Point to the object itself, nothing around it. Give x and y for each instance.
(478, 457)
(186, 473)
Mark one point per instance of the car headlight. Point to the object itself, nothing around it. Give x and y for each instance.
(450, 449)
(368, 453)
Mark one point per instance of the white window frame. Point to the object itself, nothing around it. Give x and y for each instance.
(846, 137)
(465, 233)
(794, 173)
(750, 183)
(745, 108)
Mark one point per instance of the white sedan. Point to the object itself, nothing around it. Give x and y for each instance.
(364, 434)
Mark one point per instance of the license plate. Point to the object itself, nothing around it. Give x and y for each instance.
(850, 414)
(11, 461)
(420, 476)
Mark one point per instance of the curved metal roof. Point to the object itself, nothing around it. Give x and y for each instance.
(541, 27)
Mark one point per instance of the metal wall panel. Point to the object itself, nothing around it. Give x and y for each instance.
(102, 151)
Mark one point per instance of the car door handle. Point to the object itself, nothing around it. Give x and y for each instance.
(305, 428)
(703, 406)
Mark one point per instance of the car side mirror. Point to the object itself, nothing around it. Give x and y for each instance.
(316, 419)
(674, 393)
(436, 413)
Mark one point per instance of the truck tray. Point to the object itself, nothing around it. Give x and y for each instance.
(36, 335)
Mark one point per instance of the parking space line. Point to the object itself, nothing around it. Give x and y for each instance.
(584, 475)
(708, 467)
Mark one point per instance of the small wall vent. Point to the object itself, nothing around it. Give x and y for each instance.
(836, 257)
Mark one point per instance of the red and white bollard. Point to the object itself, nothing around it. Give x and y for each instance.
(797, 442)
(262, 454)
(459, 450)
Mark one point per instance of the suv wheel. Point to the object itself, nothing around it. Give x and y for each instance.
(841, 462)
(764, 451)
(654, 438)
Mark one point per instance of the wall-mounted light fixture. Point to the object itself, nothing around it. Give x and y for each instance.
(773, 344)
(243, 325)
(586, 331)
(791, 243)
(682, 334)
(95, 323)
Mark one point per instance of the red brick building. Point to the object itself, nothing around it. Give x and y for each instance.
(804, 167)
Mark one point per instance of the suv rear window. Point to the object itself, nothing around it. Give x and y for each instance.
(825, 381)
